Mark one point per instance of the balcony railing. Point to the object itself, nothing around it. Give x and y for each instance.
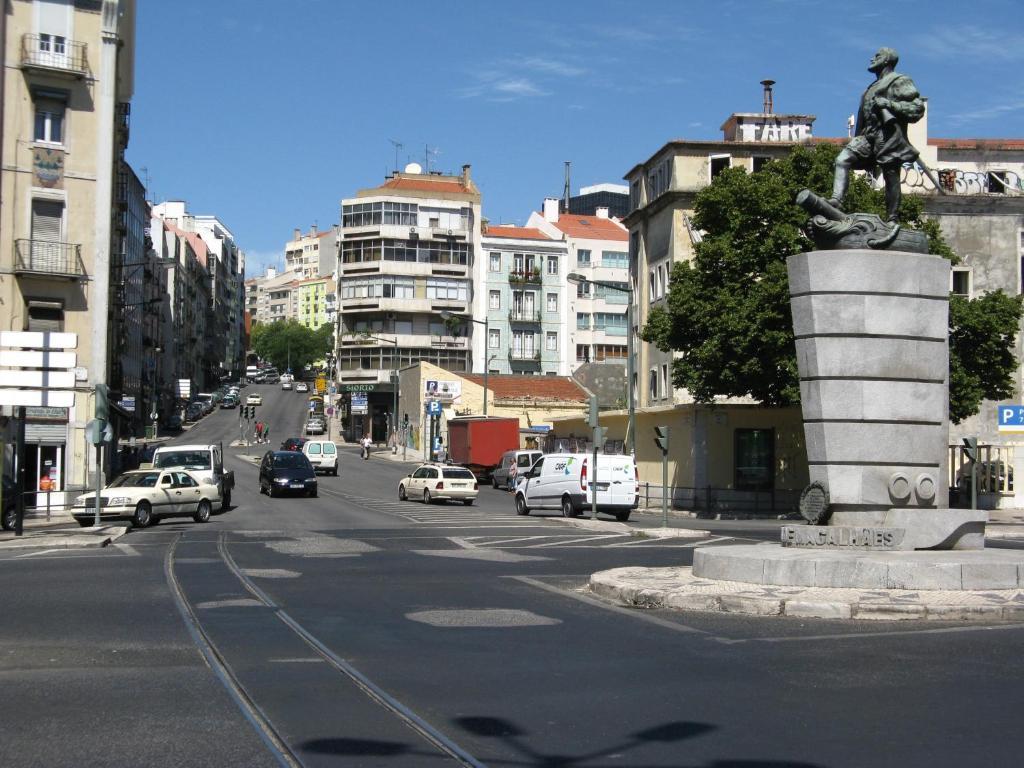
(523, 316)
(529, 276)
(52, 53)
(519, 356)
(42, 257)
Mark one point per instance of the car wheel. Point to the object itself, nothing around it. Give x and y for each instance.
(567, 508)
(468, 502)
(622, 516)
(401, 493)
(270, 491)
(426, 496)
(521, 508)
(494, 482)
(313, 494)
(202, 513)
(9, 517)
(143, 515)
(334, 472)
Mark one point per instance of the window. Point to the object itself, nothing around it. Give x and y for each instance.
(719, 163)
(998, 182)
(448, 290)
(493, 338)
(755, 459)
(495, 262)
(652, 381)
(583, 290)
(583, 321)
(759, 162)
(961, 281)
(494, 300)
(552, 302)
(653, 286)
(551, 341)
(615, 259)
(49, 120)
(552, 265)
(582, 258)
(665, 383)
(604, 352)
(582, 353)
(45, 316)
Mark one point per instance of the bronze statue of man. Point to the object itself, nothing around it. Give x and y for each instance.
(888, 105)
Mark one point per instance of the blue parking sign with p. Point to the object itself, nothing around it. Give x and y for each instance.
(1011, 418)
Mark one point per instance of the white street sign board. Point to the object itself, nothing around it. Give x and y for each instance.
(54, 398)
(38, 379)
(38, 339)
(11, 359)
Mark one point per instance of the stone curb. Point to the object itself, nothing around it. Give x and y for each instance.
(83, 538)
(1004, 531)
(637, 595)
(609, 527)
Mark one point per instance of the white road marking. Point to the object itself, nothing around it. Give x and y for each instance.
(128, 549)
(574, 541)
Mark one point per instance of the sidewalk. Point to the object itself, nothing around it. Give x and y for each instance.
(60, 536)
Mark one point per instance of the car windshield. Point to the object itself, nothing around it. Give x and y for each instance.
(135, 480)
(290, 460)
(189, 459)
(459, 474)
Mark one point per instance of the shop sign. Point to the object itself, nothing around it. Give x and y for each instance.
(443, 390)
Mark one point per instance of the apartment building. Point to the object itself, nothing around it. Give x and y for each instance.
(521, 290)
(67, 85)
(314, 254)
(406, 254)
(315, 301)
(596, 249)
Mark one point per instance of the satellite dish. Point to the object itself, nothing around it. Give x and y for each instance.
(413, 168)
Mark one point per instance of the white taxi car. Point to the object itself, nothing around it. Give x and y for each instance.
(254, 399)
(439, 482)
(146, 495)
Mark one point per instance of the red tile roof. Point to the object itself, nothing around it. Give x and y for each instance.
(328, 233)
(429, 184)
(1012, 144)
(523, 233)
(590, 227)
(514, 387)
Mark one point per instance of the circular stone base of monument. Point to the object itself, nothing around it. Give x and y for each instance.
(778, 566)
(678, 589)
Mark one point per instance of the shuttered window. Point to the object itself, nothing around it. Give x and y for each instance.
(45, 318)
(46, 220)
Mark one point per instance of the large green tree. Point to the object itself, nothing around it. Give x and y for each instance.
(728, 315)
(290, 341)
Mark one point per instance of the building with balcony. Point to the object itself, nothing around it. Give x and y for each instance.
(521, 290)
(67, 82)
(315, 301)
(314, 254)
(406, 253)
(596, 248)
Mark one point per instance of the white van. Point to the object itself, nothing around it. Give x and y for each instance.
(567, 481)
(322, 454)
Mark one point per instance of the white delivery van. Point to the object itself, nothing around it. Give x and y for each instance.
(568, 482)
(323, 455)
(204, 462)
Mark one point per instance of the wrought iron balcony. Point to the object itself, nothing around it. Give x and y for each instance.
(523, 316)
(54, 54)
(529, 276)
(42, 257)
(519, 356)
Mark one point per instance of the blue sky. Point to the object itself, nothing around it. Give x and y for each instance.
(267, 113)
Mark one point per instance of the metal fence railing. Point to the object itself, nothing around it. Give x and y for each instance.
(712, 500)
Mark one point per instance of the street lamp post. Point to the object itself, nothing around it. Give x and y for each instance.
(446, 315)
(578, 279)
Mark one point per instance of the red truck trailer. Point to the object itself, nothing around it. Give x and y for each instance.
(477, 442)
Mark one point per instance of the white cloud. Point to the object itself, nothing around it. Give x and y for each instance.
(953, 41)
(257, 261)
(553, 67)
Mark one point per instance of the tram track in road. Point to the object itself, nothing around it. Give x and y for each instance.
(248, 700)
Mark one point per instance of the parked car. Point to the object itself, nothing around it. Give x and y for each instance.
(172, 422)
(293, 444)
(287, 472)
(314, 425)
(323, 455)
(204, 462)
(567, 481)
(510, 466)
(229, 402)
(254, 399)
(10, 504)
(302, 387)
(286, 384)
(147, 495)
(439, 482)
(194, 412)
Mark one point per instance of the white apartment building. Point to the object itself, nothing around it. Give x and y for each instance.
(596, 248)
(314, 254)
(406, 254)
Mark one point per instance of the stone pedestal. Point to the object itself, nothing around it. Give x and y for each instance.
(871, 333)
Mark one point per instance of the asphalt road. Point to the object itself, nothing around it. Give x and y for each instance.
(357, 630)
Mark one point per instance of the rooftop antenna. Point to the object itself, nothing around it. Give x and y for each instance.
(565, 192)
(397, 145)
(429, 152)
(768, 105)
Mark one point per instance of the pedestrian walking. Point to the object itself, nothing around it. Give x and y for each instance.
(365, 443)
(266, 433)
(259, 431)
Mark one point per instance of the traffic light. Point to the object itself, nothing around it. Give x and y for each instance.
(661, 438)
(102, 404)
(592, 420)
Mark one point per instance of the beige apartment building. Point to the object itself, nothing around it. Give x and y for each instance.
(67, 84)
